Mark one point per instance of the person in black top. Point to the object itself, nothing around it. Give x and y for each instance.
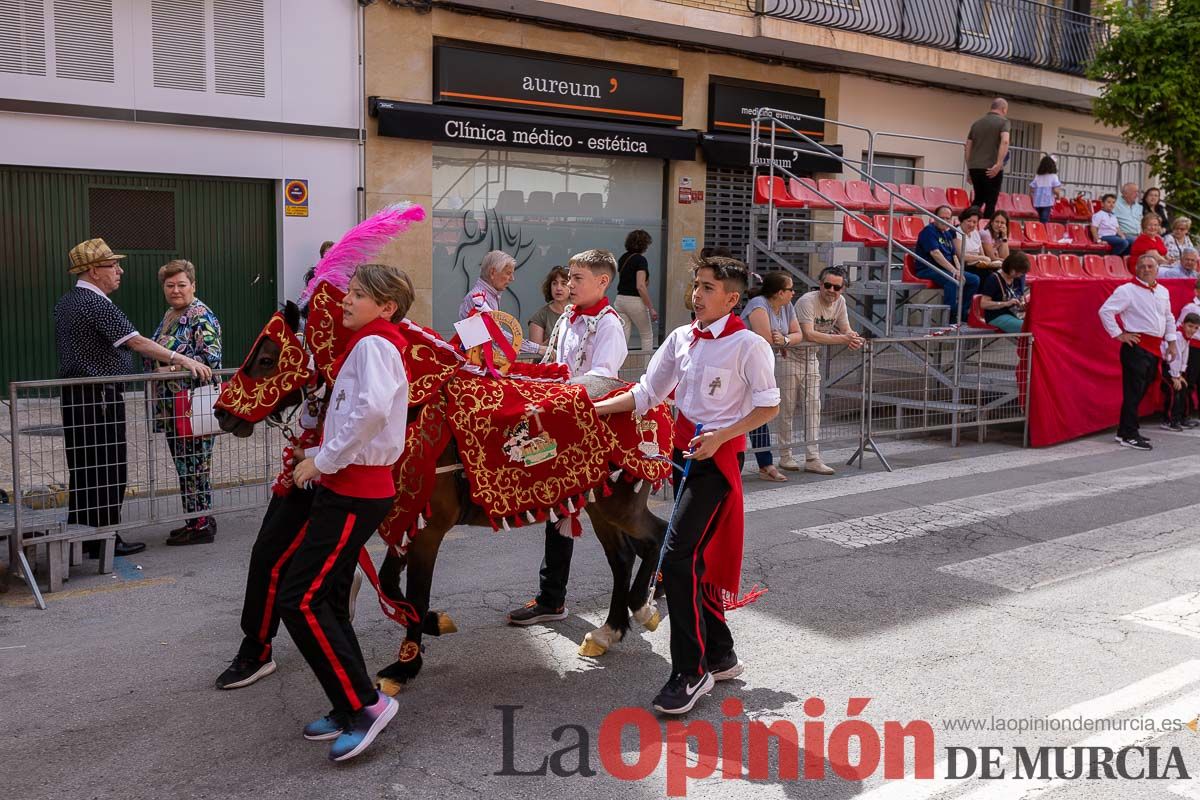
(633, 294)
(93, 338)
(1004, 294)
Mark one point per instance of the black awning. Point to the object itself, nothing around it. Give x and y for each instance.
(734, 151)
(472, 127)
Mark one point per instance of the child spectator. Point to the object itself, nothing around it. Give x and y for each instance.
(1046, 186)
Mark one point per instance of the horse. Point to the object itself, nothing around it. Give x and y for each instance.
(623, 523)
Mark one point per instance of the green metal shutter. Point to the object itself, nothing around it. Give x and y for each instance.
(225, 226)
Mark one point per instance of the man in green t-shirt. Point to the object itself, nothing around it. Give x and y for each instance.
(986, 150)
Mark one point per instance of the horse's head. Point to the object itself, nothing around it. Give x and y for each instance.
(271, 378)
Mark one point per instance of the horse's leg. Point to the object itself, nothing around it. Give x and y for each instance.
(619, 551)
(628, 511)
(422, 553)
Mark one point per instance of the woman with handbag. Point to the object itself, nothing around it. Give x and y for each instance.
(190, 328)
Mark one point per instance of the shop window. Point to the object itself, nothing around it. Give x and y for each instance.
(540, 208)
(132, 219)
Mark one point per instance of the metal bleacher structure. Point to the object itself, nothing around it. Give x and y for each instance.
(870, 227)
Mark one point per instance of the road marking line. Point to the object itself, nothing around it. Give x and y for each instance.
(909, 523)
(1179, 615)
(69, 594)
(812, 492)
(1128, 697)
(1045, 563)
(14, 647)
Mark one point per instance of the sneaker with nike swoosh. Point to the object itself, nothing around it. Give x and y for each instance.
(682, 692)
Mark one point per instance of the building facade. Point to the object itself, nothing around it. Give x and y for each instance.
(226, 133)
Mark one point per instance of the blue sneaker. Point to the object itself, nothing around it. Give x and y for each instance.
(327, 727)
(364, 727)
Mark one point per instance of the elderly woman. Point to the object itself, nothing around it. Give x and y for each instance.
(1179, 239)
(495, 274)
(1150, 241)
(557, 290)
(191, 329)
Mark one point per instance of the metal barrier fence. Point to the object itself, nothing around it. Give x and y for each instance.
(121, 447)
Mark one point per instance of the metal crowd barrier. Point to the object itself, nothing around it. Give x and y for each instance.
(132, 479)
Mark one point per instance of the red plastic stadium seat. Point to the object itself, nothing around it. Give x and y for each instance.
(805, 191)
(1081, 239)
(836, 191)
(936, 196)
(884, 198)
(975, 315)
(910, 274)
(957, 198)
(1072, 266)
(915, 195)
(854, 230)
(1047, 265)
(1055, 233)
(1022, 205)
(860, 193)
(908, 230)
(768, 190)
(1063, 210)
(1035, 235)
(1093, 265)
(1004, 203)
(1116, 266)
(1015, 239)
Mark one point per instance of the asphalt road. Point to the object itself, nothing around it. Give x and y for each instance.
(971, 583)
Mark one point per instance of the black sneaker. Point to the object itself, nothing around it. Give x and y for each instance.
(534, 612)
(681, 693)
(244, 671)
(1191, 423)
(1137, 443)
(204, 533)
(727, 668)
(1167, 425)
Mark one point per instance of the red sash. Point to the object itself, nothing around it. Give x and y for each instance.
(1151, 344)
(723, 554)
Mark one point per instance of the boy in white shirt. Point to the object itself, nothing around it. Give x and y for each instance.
(1175, 385)
(1106, 228)
(590, 340)
(363, 438)
(723, 376)
(1192, 374)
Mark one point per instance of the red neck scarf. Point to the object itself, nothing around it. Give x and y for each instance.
(1147, 286)
(376, 327)
(732, 325)
(591, 311)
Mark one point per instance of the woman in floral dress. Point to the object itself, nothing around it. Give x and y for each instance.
(190, 328)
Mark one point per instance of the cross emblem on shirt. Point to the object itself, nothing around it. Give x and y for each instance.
(337, 406)
(712, 387)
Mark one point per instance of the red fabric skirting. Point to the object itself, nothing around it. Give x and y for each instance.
(1075, 385)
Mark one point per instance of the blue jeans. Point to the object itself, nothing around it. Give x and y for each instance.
(1007, 323)
(950, 289)
(1044, 213)
(761, 437)
(1119, 244)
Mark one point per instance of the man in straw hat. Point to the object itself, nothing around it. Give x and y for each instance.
(93, 338)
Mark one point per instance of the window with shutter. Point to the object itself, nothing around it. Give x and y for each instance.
(238, 45)
(179, 49)
(23, 37)
(83, 40)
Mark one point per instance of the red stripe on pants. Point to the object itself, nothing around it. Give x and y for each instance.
(318, 634)
(695, 589)
(269, 607)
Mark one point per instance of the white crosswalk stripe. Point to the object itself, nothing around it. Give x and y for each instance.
(1179, 615)
(1044, 563)
(812, 492)
(908, 523)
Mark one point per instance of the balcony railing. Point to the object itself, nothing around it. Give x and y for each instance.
(1015, 31)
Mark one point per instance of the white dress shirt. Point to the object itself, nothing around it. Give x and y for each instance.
(717, 382)
(1177, 365)
(1142, 310)
(1105, 223)
(1190, 308)
(592, 345)
(368, 409)
(91, 287)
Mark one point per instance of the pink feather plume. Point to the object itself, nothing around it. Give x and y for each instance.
(361, 244)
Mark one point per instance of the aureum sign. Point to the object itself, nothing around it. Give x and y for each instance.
(547, 86)
(295, 197)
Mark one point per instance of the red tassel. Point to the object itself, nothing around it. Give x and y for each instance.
(607, 490)
(576, 527)
(492, 522)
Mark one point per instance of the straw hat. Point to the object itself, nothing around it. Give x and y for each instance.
(90, 253)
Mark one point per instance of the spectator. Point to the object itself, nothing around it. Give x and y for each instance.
(1150, 242)
(1004, 294)
(1046, 186)
(823, 320)
(936, 245)
(986, 151)
(1144, 308)
(1152, 204)
(1189, 260)
(1179, 240)
(1192, 375)
(1174, 369)
(770, 314)
(969, 246)
(995, 237)
(1129, 211)
(633, 293)
(557, 290)
(495, 274)
(1107, 228)
(189, 328)
(92, 338)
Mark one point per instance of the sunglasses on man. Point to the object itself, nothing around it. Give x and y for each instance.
(833, 287)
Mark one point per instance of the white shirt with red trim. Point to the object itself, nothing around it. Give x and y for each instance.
(591, 345)
(368, 409)
(717, 381)
(1142, 310)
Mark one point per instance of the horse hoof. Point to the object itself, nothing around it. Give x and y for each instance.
(390, 687)
(648, 617)
(437, 623)
(591, 648)
(446, 623)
